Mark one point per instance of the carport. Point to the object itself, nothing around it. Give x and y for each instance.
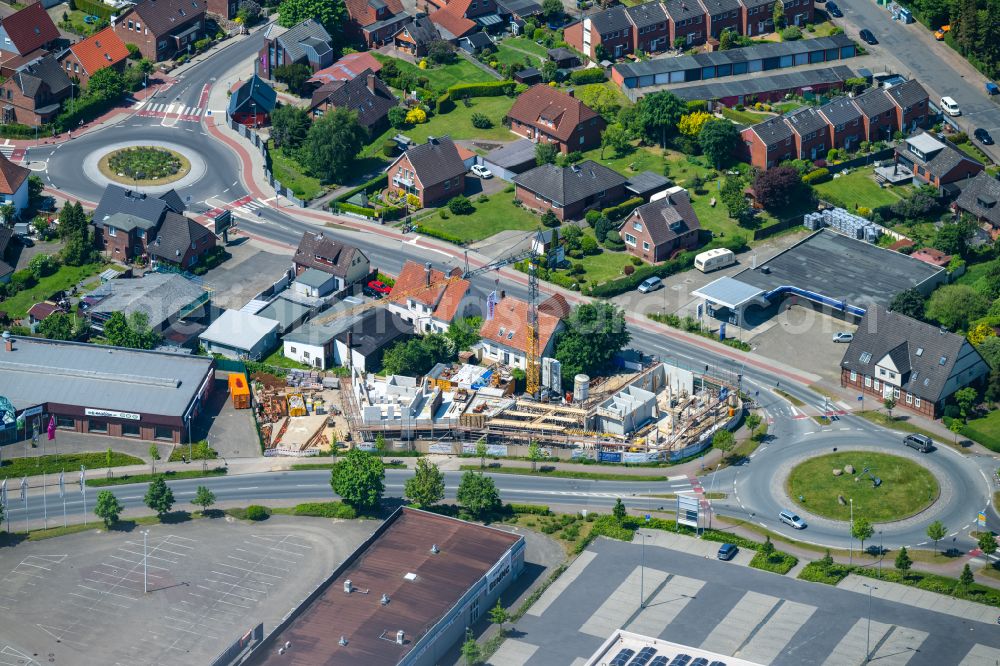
(726, 298)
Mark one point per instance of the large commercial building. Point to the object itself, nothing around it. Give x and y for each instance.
(405, 596)
(105, 390)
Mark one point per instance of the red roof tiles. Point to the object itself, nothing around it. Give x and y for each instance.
(443, 296)
(556, 112)
(509, 326)
(12, 176)
(100, 50)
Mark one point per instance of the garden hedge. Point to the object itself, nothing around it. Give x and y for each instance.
(444, 103)
(442, 235)
(592, 75)
(622, 209)
(817, 176)
(96, 8)
(357, 210)
(373, 185)
(488, 89)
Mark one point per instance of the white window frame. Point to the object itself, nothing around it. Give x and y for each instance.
(854, 375)
(909, 398)
(112, 232)
(868, 381)
(916, 403)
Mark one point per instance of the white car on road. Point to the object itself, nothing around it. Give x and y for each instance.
(481, 171)
(950, 106)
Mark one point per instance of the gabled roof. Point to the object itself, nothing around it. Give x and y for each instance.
(924, 354)
(716, 7)
(611, 19)
(117, 199)
(41, 74)
(646, 14)
(678, 10)
(805, 121)
(369, 97)
(666, 219)
(257, 91)
(308, 31)
(941, 162)
(177, 234)
(30, 28)
(907, 94)
(839, 111)
(365, 12)
(375, 330)
(347, 68)
(323, 253)
(239, 330)
(772, 131)
(12, 176)
(100, 50)
(873, 102)
(162, 16)
(421, 31)
(40, 311)
(540, 105)
(436, 161)
(981, 197)
(450, 19)
(567, 185)
(509, 326)
(443, 295)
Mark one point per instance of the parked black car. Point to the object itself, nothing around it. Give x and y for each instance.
(867, 36)
(833, 10)
(983, 137)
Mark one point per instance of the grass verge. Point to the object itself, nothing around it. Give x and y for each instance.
(824, 572)
(986, 431)
(900, 423)
(565, 474)
(790, 398)
(936, 583)
(303, 467)
(53, 464)
(169, 475)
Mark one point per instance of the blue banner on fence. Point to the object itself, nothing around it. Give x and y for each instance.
(610, 456)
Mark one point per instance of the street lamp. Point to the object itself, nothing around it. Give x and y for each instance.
(642, 569)
(145, 577)
(881, 554)
(851, 534)
(868, 638)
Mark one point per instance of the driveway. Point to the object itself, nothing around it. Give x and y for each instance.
(249, 272)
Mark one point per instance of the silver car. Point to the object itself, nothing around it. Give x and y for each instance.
(843, 336)
(791, 519)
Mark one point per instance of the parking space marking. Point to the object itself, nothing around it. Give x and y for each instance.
(20, 659)
(740, 623)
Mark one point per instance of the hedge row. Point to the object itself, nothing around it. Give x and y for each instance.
(615, 213)
(488, 89)
(17, 131)
(534, 509)
(325, 510)
(390, 213)
(442, 235)
(592, 75)
(358, 210)
(444, 103)
(95, 8)
(84, 109)
(818, 176)
(373, 185)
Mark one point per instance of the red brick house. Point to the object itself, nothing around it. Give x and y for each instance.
(656, 231)
(416, 36)
(433, 171)
(226, 9)
(34, 93)
(569, 192)
(180, 241)
(798, 12)
(650, 27)
(844, 127)
(457, 18)
(917, 364)
(546, 115)
(127, 221)
(935, 162)
(911, 101)
(100, 50)
(347, 68)
(374, 22)
(810, 132)
(878, 114)
(610, 29)
(757, 17)
(162, 28)
(688, 23)
(769, 143)
(26, 31)
(722, 15)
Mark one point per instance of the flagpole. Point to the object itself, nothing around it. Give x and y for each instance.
(83, 491)
(6, 504)
(45, 504)
(24, 493)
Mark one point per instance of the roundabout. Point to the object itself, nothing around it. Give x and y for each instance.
(155, 166)
(881, 487)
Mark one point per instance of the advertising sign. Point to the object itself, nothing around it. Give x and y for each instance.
(687, 510)
(640, 457)
(610, 456)
(110, 413)
(32, 411)
(441, 448)
(498, 573)
(722, 331)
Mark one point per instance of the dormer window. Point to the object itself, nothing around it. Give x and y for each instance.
(942, 360)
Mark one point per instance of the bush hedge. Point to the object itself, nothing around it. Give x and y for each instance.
(828, 574)
(777, 562)
(533, 509)
(442, 235)
(817, 176)
(326, 510)
(935, 583)
(17, 131)
(622, 209)
(85, 109)
(592, 75)
(488, 89)
(96, 8)
(373, 185)
(344, 207)
(390, 213)
(444, 103)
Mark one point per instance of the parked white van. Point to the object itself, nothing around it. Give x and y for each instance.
(712, 260)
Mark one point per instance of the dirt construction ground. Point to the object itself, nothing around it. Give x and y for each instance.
(78, 600)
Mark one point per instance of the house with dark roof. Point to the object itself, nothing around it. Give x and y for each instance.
(429, 299)
(934, 161)
(6, 270)
(810, 132)
(878, 114)
(180, 241)
(768, 143)
(546, 115)
(373, 22)
(34, 93)
(127, 221)
(252, 103)
(348, 67)
(563, 57)
(687, 22)
(13, 186)
(366, 340)
(911, 102)
(658, 230)
(569, 192)
(917, 364)
(757, 17)
(610, 29)
(416, 36)
(162, 28)
(366, 94)
(433, 172)
(475, 42)
(346, 263)
(650, 27)
(306, 43)
(980, 198)
(100, 50)
(844, 127)
(26, 31)
(722, 15)
(504, 338)
(646, 184)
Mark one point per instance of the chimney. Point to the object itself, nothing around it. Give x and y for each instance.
(427, 274)
(571, 92)
(371, 82)
(8, 342)
(503, 294)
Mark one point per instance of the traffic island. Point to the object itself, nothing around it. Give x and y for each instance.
(144, 165)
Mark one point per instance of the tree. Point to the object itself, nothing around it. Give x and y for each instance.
(534, 454)
(955, 305)
(72, 220)
(767, 548)
(481, 451)
(601, 99)
(615, 137)
(752, 422)
(862, 530)
(478, 494)
(204, 498)
(294, 76)
(723, 440)
(290, 126)
(42, 265)
(692, 123)
(441, 52)
(619, 511)
(552, 9)
(330, 13)
(470, 650)
(889, 403)
(159, 497)
(108, 508)
(549, 71)
(956, 426)
(332, 144)
(936, 531)
(903, 561)
(987, 542)
(718, 139)
(594, 334)
(154, 455)
(426, 486)
(397, 117)
(106, 84)
(464, 332)
(545, 153)
(380, 445)
(778, 15)
(79, 249)
(993, 387)
(359, 479)
(249, 12)
(909, 302)
(965, 398)
(659, 114)
(499, 614)
(777, 187)
(966, 579)
(58, 326)
(953, 237)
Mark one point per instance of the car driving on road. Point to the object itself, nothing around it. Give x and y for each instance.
(791, 519)
(867, 36)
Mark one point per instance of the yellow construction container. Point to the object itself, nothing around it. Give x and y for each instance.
(296, 405)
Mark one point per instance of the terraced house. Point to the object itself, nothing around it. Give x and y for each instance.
(769, 143)
(810, 132)
(722, 15)
(844, 127)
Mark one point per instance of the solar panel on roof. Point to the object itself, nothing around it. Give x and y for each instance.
(642, 659)
(621, 659)
(700, 661)
(681, 660)
(718, 663)
(660, 660)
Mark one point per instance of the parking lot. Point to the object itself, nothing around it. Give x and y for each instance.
(249, 272)
(79, 599)
(802, 336)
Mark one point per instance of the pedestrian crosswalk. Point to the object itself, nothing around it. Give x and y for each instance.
(170, 110)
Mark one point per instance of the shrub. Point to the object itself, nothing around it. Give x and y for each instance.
(460, 205)
(534, 509)
(628, 269)
(481, 121)
(959, 138)
(791, 33)
(256, 512)
(372, 186)
(582, 76)
(357, 210)
(828, 574)
(416, 116)
(777, 562)
(389, 148)
(593, 216)
(549, 219)
(817, 176)
(697, 105)
(326, 510)
(622, 209)
(487, 89)
(636, 261)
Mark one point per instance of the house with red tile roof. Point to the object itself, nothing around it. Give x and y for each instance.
(26, 31)
(546, 115)
(932, 256)
(458, 17)
(428, 298)
(13, 185)
(504, 338)
(374, 22)
(348, 67)
(100, 50)
(39, 312)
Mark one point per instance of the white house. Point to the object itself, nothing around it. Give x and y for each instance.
(314, 283)
(427, 298)
(505, 337)
(241, 335)
(346, 263)
(13, 185)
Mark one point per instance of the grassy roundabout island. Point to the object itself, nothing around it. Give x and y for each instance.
(144, 165)
(907, 488)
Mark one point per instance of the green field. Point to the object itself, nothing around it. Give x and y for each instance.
(291, 174)
(857, 188)
(497, 214)
(442, 77)
(986, 431)
(457, 124)
(17, 305)
(509, 56)
(907, 488)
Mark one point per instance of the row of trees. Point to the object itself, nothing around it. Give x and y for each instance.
(326, 148)
(159, 497)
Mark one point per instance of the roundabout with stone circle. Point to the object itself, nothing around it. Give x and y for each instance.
(884, 487)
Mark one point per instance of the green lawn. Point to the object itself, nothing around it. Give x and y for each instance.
(986, 430)
(279, 360)
(907, 488)
(497, 214)
(745, 117)
(15, 468)
(973, 151)
(548, 470)
(442, 77)
(17, 305)
(290, 174)
(823, 29)
(509, 56)
(525, 44)
(169, 475)
(456, 123)
(77, 23)
(857, 188)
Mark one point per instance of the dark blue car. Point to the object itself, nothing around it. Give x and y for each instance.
(833, 10)
(727, 551)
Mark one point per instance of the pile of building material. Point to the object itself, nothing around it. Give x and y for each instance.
(298, 414)
(845, 223)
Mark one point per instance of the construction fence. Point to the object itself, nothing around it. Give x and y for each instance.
(260, 144)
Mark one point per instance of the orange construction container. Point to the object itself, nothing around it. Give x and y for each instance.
(240, 391)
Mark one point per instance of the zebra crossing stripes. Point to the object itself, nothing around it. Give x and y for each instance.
(7, 149)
